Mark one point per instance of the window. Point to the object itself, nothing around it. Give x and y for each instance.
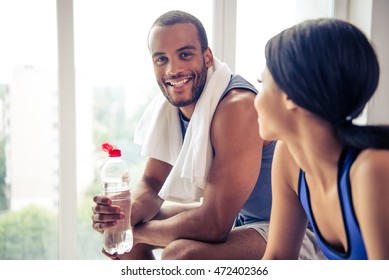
(28, 130)
(257, 21)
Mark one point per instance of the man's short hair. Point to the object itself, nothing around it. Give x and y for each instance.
(176, 16)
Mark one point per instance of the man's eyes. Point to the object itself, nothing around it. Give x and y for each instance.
(164, 59)
(160, 60)
(186, 54)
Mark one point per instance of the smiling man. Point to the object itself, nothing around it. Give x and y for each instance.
(201, 155)
(182, 77)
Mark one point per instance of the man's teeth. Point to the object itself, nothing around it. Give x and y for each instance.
(179, 83)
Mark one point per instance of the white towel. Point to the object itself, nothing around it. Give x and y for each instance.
(159, 133)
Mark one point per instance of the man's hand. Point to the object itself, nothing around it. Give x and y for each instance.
(114, 256)
(105, 215)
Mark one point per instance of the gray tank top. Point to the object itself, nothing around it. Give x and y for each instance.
(258, 205)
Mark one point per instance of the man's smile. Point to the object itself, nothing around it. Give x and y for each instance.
(177, 83)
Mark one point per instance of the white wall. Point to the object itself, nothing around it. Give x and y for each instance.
(378, 109)
(371, 16)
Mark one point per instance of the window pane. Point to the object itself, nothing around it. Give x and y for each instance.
(259, 20)
(28, 130)
(115, 82)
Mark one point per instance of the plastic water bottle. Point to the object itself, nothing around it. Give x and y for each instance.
(116, 179)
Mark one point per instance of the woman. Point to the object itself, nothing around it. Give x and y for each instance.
(319, 75)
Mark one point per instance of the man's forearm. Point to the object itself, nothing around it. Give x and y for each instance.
(191, 224)
(145, 205)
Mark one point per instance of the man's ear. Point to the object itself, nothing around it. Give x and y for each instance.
(289, 104)
(208, 57)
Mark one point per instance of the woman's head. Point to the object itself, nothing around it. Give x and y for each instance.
(326, 66)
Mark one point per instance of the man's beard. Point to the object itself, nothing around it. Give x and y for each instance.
(197, 88)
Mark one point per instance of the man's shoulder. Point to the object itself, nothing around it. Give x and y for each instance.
(237, 86)
(236, 102)
(238, 82)
(238, 90)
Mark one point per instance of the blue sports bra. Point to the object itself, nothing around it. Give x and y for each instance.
(355, 245)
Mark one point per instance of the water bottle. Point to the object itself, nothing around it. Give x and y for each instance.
(116, 179)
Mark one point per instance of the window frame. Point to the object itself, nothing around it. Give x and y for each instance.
(67, 212)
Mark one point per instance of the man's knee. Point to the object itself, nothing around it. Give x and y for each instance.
(181, 249)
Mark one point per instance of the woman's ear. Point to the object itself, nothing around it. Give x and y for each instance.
(289, 104)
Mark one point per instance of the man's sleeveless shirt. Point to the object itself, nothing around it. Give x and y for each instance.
(258, 205)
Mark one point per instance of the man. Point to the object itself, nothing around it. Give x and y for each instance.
(199, 147)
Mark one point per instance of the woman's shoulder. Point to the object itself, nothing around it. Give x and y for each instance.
(285, 166)
(369, 175)
(371, 162)
(369, 178)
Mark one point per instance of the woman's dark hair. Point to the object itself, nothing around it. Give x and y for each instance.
(175, 16)
(328, 67)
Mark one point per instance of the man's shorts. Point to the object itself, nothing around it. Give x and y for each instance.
(309, 249)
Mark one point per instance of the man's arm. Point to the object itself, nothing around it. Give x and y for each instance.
(145, 200)
(232, 177)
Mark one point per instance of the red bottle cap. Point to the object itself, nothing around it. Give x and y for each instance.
(111, 150)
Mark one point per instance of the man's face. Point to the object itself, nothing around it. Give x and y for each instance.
(179, 65)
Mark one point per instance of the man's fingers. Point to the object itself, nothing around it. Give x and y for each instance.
(100, 227)
(112, 257)
(102, 218)
(104, 209)
(102, 199)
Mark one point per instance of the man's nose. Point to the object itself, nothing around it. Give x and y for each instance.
(174, 67)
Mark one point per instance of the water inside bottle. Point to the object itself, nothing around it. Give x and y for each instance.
(119, 239)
